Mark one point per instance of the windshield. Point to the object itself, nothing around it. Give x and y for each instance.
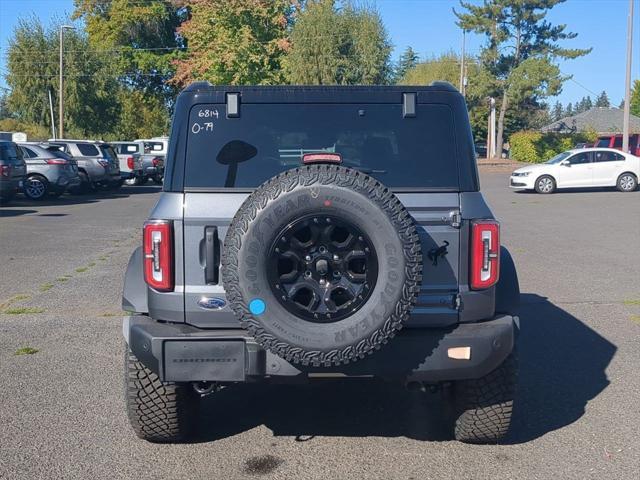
(558, 158)
(412, 152)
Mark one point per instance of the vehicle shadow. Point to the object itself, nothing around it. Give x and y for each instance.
(91, 197)
(562, 367)
(574, 190)
(10, 212)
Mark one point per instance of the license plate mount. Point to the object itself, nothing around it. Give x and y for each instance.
(204, 360)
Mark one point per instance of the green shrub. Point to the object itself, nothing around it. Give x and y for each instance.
(522, 146)
(535, 147)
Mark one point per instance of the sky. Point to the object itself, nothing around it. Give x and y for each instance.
(428, 26)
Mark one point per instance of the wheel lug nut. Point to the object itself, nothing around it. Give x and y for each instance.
(336, 258)
(307, 273)
(308, 258)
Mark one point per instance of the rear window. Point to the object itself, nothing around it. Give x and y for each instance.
(108, 152)
(10, 153)
(128, 148)
(152, 147)
(617, 142)
(87, 149)
(416, 152)
(603, 142)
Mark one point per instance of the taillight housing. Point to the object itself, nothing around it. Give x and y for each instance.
(104, 163)
(155, 162)
(5, 170)
(484, 267)
(55, 161)
(158, 255)
(130, 165)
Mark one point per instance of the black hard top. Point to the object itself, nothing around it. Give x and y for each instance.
(204, 92)
(442, 93)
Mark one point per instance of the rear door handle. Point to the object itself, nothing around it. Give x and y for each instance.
(212, 255)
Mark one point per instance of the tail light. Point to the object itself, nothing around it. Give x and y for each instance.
(130, 165)
(485, 254)
(158, 254)
(55, 161)
(5, 170)
(155, 162)
(104, 163)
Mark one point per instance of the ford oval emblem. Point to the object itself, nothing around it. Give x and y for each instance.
(212, 303)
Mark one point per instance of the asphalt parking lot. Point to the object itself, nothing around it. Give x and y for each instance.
(578, 411)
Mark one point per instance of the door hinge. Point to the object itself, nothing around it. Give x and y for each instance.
(455, 218)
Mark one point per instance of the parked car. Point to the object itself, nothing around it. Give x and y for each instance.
(578, 168)
(481, 150)
(97, 163)
(155, 151)
(50, 172)
(369, 252)
(13, 170)
(615, 141)
(129, 158)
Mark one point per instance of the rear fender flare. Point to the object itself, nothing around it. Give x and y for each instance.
(134, 293)
(508, 287)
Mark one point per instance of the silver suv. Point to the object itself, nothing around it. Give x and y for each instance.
(50, 172)
(320, 232)
(97, 163)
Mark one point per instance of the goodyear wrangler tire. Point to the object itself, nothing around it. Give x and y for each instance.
(322, 264)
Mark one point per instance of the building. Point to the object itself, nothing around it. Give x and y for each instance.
(604, 120)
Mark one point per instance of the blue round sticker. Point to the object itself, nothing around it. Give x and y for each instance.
(257, 306)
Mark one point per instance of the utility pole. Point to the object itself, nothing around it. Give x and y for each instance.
(61, 89)
(491, 144)
(462, 66)
(627, 90)
(53, 123)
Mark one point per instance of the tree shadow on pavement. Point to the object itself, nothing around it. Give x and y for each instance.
(562, 367)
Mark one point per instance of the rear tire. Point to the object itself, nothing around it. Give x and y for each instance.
(545, 184)
(158, 179)
(36, 187)
(484, 406)
(158, 411)
(627, 182)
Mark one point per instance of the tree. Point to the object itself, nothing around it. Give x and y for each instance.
(235, 41)
(521, 50)
(407, 61)
(569, 110)
(558, 112)
(137, 39)
(587, 103)
(634, 103)
(338, 46)
(32, 71)
(602, 100)
(139, 116)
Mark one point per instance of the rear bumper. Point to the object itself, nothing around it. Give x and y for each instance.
(183, 353)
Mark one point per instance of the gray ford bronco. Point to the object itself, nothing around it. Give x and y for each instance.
(309, 232)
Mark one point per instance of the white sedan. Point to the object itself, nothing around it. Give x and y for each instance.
(579, 168)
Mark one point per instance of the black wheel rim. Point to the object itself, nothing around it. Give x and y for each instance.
(322, 268)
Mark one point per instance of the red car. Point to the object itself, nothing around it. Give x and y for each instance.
(615, 141)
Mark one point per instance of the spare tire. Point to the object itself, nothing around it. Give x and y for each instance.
(322, 264)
